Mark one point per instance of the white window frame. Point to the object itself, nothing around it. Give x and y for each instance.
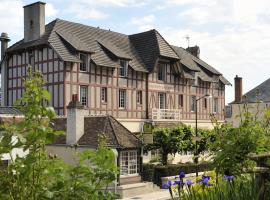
(129, 165)
(163, 95)
(104, 95)
(83, 64)
(161, 74)
(123, 70)
(139, 97)
(84, 101)
(215, 105)
(122, 99)
(193, 103)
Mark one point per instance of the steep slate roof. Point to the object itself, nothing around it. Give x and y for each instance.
(116, 134)
(142, 50)
(259, 93)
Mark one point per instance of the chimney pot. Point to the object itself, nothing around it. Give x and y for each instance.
(4, 43)
(238, 92)
(34, 21)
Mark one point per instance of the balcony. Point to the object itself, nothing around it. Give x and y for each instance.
(165, 114)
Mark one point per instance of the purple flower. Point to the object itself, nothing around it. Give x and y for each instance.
(226, 177)
(182, 175)
(189, 183)
(205, 181)
(179, 182)
(167, 185)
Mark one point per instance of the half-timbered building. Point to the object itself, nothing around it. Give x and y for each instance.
(134, 78)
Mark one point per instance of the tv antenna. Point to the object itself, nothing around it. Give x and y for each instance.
(187, 39)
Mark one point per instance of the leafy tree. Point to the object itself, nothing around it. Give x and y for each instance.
(233, 146)
(40, 176)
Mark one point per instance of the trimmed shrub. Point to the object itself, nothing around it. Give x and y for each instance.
(173, 170)
(148, 172)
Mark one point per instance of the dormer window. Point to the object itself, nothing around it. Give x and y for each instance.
(83, 64)
(161, 72)
(123, 68)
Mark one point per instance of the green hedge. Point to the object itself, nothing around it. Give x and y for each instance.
(154, 173)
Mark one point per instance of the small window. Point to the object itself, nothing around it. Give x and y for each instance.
(139, 97)
(104, 95)
(83, 95)
(122, 99)
(193, 104)
(83, 64)
(161, 100)
(215, 105)
(128, 163)
(205, 103)
(180, 100)
(161, 72)
(123, 68)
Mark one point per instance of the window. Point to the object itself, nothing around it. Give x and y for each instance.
(128, 163)
(122, 99)
(161, 100)
(161, 72)
(83, 95)
(215, 105)
(123, 68)
(180, 100)
(83, 63)
(193, 103)
(139, 97)
(205, 103)
(104, 95)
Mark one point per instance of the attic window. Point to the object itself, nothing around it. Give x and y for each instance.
(123, 68)
(83, 63)
(161, 72)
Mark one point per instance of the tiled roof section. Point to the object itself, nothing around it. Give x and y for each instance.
(9, 111)
(116, 134)
(90, 35)
(73, 41)
(150, 45)
(224, 80)
(259, 93)
(185, 58)
(100, 58)
(147, 47)
(165, 49)
(114, 50)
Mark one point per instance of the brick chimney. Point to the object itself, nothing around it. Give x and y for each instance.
(75, 120)
(238, 89)
(34, 21)
(195, 51)
(4, 43)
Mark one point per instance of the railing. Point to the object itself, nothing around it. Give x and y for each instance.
(166, 114)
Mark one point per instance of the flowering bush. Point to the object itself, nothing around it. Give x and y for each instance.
(228, 188)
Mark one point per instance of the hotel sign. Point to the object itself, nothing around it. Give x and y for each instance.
(163, 87)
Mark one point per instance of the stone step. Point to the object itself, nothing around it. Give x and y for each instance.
(134, 189)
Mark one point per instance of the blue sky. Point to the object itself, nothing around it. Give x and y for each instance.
(233, 35)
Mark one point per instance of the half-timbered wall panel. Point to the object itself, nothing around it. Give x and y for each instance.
(51, 69)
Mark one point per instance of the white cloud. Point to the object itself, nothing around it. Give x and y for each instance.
(121, 3)
(51, 11)
(11, 15)
(144, 23)
(86, 12)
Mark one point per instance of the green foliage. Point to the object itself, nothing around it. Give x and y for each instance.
(233, 146)
(180, 139)
(37, 175)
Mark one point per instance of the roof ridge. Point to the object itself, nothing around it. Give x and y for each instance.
(108, 119)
